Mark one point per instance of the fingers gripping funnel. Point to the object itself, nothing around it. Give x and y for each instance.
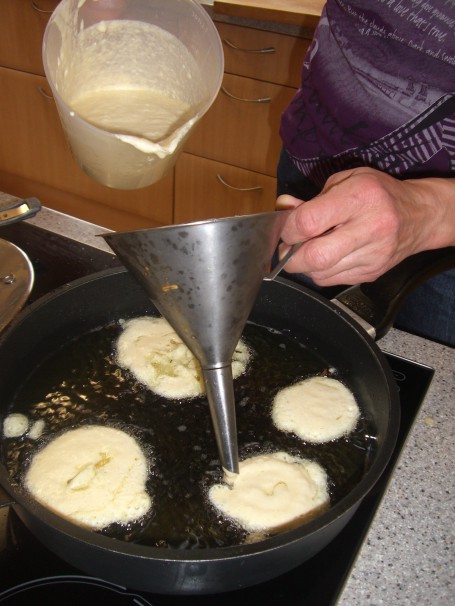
(204, 277)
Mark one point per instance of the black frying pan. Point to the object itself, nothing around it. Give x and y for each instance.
(313, 321)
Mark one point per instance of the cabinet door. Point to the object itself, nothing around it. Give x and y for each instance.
(34, 147)
(22, 25)
(242, 126)
(262, 55)
(205, 189)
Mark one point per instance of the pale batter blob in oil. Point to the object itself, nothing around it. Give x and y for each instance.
(153, 352)
(318, 409)
(271, 490)
(93, 476)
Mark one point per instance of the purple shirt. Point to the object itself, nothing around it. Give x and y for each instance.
(377, 80)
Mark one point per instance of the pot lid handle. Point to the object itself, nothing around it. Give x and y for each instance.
(18, 210)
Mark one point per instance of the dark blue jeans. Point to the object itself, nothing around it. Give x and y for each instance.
(429, 311)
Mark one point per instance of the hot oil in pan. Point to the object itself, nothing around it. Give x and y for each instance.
(177, 436)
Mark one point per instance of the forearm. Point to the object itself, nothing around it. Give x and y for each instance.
(435, 212)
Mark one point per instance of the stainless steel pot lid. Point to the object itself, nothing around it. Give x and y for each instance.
(16, 281)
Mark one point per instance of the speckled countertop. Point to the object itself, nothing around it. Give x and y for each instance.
(407, 557)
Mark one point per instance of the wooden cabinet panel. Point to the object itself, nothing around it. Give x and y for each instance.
(34, 147)
(240, 129)
(304, 13)
(205, 189)
(262, 55)
(22, 25)
(71, 204)
(238, 139)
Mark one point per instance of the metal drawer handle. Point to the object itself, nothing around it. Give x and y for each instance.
(40, 10)
(259, 100)
(255, 51)
(44, 94)
(223, 182)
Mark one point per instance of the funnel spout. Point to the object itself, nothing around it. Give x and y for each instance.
(220, 394)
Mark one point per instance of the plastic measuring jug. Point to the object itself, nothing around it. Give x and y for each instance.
(130, 79)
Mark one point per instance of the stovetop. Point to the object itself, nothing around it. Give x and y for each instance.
(30, 573)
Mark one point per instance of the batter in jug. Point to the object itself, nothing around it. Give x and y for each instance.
(130, 78)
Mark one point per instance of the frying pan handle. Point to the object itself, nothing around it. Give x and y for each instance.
(377, 303)
(5, 499)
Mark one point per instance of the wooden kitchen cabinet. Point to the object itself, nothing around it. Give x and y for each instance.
(205, 189)
(239, 135)
(22, 25)
(262, 55)
(230, 158)
(34, 157)
(241, 128)
(33, 148)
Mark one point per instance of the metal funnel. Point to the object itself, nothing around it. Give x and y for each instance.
(204, 277)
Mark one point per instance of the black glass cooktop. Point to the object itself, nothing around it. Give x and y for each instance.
(31, 574)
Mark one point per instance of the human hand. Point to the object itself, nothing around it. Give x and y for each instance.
(364, 222)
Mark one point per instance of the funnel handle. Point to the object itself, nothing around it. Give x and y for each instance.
(220, 394)
(279, 266)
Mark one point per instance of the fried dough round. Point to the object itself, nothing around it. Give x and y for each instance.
(271, 491)
(318, 409)
(93, 476)
(153, 352)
